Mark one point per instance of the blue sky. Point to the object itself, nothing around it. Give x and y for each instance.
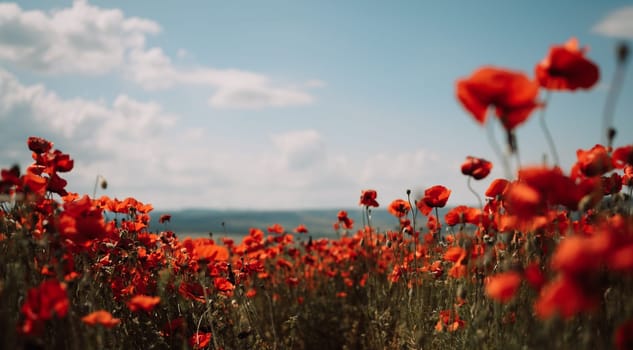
(286, 104)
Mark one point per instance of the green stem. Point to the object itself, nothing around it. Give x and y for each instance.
(609, 106)
(468, 183)
(548, 135)
(497, 149)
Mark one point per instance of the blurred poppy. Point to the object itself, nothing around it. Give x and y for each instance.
(399, 208)
(35, 183)
(477, 168)
(143, 302)
(623, 336)
(512, 94)
(622, 156)
(301, 229)
(627, 178)
(497, 188)
(462, 214)
(101, 317)
(223, 285)
(368, 198)
(39, 145)
(563, 297)
(503, 286)
(348, 223)
(423, 208)
(534, 276)
(164, 218)
(436, 196)
(42, 303)
(200, 340)
(523, 200)
(566, 68)
(595, 161)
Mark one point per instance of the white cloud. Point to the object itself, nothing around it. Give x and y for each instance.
(85, 39)
(257, 97)
(234, 88)
(618, 24)
(141, 151)
(120, 141)
(300, 149)
(80, 39)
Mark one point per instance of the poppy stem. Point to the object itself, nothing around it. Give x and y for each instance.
(608, 132)
(439, 224)
(94, 191)
(514, 147)
(468, 183)
(546, 132)
(497, 149)
(413, 207)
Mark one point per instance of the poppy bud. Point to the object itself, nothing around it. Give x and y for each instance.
(622, 52)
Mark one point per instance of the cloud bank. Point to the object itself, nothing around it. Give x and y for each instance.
(87, 40)
(617, 24)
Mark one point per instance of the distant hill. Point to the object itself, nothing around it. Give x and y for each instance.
(197, 222)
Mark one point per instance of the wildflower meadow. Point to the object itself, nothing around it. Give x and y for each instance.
(544, 261)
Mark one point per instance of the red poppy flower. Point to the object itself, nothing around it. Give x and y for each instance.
(42, 303)
(478, 168)
(399, 208)
(627, 178)
(368, 198)
(503, 286)
(101, 317)
(623, 336)
(223, 285)
(563, 297)
(164, 218)
(39, 145)
(423, 208)
(595, 161)
(461, 215)
(554, 187)
(200, 340)
(436, 196)
(623, 156)
(348, 223)
(534, 276)
(35, 183)
(455, 254)
(301, 229)
(276, 228)
(143, 302)
(512, 94)
(566, 68)
(497, 188)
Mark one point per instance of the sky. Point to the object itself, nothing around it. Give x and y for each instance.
(287, 104)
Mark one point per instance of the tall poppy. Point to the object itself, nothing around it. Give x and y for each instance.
(595, 161)
(436, 196)
(512, 94)
(368, 198)
(566, 68)
(477, 168)
(399, 208)
(497, 187)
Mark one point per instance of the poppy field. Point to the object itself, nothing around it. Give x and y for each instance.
(545, 261)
